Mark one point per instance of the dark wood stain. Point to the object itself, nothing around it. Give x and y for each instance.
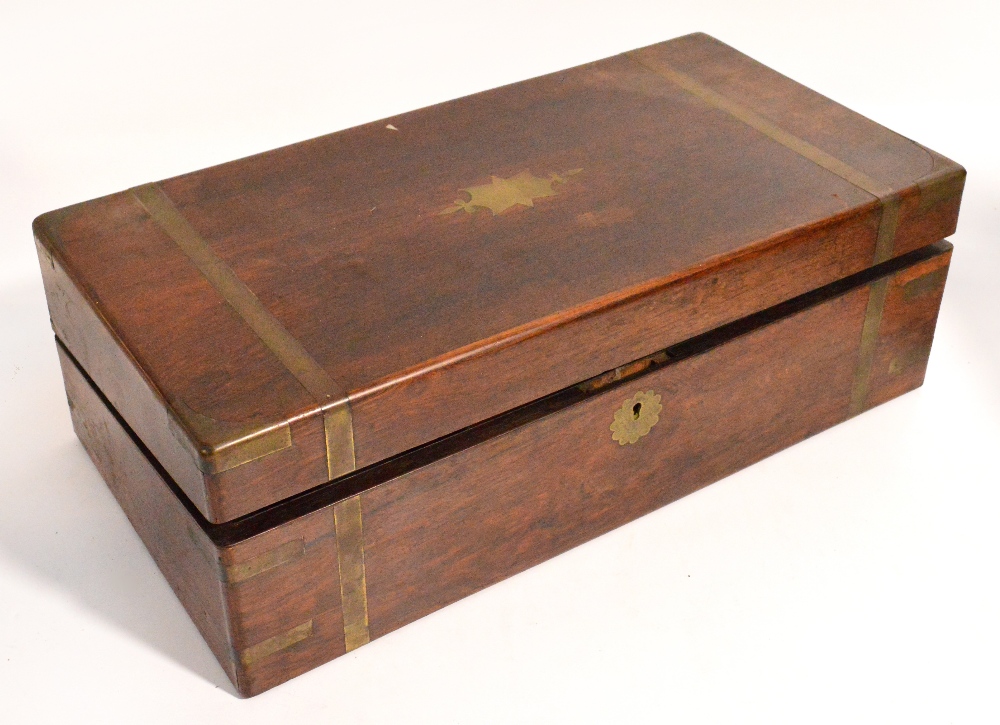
(524, 493)
(681, 220)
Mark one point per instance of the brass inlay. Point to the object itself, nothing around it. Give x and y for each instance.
(501, 194)
(869, 340)
(271, 646)
(925, 284)
(243, 450)
(283, 554)
(351, 561)
(241, 444)
(339, 430)
(319, 384)
(886, 195)
(887, 228)
(636, 417)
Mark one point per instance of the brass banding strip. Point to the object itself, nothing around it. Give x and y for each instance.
(332, 400)
(351, 562)
(887, 228)
(248, 448)
(290, 551)
(339, 432)
(238, 445)
(887, 196)
(276, 644)
(869, 340)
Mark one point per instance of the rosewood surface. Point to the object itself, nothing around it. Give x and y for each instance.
(275, 322)
(270, 600)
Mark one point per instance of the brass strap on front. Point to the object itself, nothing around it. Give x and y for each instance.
(869, 341)
(333, 401)
(351, 561)
(887, 197)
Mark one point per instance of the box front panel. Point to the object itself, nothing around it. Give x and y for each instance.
(446, 531)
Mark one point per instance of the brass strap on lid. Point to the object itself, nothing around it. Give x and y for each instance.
(334, 403)
(886, 196)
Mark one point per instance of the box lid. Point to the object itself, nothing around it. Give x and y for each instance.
(276, 322)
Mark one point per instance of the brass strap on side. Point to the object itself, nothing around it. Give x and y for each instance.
(869, 341)
(334, 403)
(351, 560)
(888, 198)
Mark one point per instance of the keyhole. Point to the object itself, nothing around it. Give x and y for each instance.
(635, 411)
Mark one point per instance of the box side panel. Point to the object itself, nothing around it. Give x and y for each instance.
(82, 331)
(243, 598)
(220, 495)
(185, 555)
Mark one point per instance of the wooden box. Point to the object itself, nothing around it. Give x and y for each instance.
(342, 384)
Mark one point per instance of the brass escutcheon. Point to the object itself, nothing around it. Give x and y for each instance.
(636, 417)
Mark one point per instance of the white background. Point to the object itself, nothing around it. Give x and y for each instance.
(853, 578)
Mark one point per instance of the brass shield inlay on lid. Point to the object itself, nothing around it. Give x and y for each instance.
(501, 194)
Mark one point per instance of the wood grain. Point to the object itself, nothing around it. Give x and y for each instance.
(184, 552)
(678, 217)
(270, 603)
